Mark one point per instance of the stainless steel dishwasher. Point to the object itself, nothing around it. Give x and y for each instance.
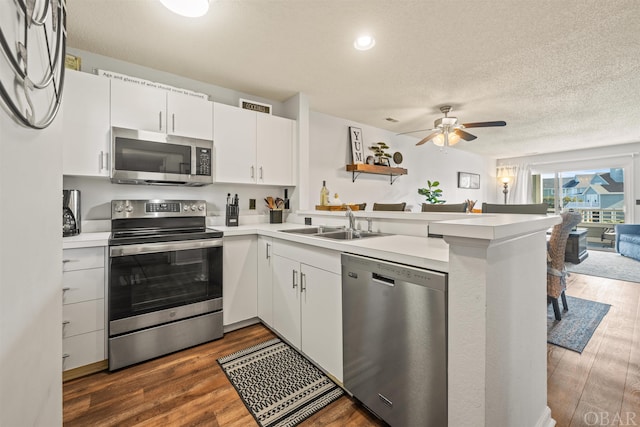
(395, 340)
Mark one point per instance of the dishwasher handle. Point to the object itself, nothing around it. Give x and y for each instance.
(387, 281)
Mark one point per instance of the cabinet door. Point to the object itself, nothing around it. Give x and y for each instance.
(86, 128)
(189, 116)
(321, 311)
(134, 106)
(286, 299)
(265, 282)
(234, 138)
(240, 279)
(275, 150)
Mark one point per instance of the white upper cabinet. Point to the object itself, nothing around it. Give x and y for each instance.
(86, 127)
(234, 138)
(275, 150)
(251, 147)
(134, 106)
(189, 116)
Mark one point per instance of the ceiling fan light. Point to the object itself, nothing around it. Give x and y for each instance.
(188, 8)
(453, 139)
(438, 140)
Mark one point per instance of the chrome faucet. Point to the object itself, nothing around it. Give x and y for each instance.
(352, 219)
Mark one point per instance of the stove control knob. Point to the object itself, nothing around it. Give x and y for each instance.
(185, 208)
(129, 208)
(201, 207)
(193, 207)
(118, 208)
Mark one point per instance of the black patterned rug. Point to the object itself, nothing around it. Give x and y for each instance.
(577, 325)
(277, 384)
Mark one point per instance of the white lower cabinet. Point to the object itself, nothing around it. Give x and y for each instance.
(265, 281)
(307, 302)
(83, 307)
(239, 278)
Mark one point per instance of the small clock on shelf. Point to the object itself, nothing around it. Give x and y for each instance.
(371, 160)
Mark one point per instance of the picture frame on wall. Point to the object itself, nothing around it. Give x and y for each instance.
(468, 180)
(357, 145)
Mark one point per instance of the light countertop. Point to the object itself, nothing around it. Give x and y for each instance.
(86, 240)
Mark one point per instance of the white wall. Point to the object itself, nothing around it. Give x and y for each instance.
(626, 156)
(330, 151)
(30, 261)
(96, 195)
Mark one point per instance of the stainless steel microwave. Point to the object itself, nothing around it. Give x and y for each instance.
(143, 157)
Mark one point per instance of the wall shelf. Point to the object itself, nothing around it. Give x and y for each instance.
(357, 169)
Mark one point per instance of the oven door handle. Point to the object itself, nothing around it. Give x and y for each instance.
(150, 248)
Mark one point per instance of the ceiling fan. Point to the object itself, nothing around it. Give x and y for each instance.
(447, 131)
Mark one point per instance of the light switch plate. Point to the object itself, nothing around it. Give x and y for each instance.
(252, 203)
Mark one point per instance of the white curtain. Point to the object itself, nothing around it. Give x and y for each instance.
(520, 182)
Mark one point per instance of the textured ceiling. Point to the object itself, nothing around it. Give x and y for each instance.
(562, 74)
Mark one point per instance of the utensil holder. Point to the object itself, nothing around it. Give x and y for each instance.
(275, 216)
(231, 219)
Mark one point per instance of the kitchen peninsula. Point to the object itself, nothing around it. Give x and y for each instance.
(496, 301)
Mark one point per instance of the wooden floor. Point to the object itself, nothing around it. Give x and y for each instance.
(599, 387)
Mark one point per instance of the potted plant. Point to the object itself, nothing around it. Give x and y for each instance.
(381, 157)
(432, 193)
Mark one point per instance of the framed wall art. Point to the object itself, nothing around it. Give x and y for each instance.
(357, 148)
(468, 180)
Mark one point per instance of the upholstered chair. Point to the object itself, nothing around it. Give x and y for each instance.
(389, 206)
(444, 207)
(526, 208)
(556, 272)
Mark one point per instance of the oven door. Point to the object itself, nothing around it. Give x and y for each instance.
(156, 283)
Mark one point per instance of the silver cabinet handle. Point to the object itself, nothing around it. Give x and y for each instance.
(293, 278)
(303, 280)
(252, 171)
(173, 122)
(261, 172)
(160, 120)
(268, 250)
(66, 322)
(65, 289)
(64, 356)
(64, 261)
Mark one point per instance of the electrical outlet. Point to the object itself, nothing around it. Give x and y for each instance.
(307, 221)
(252, 203)
(637, 201)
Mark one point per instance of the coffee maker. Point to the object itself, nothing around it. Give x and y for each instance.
(70, 212)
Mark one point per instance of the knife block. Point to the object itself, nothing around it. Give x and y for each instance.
(231, 218)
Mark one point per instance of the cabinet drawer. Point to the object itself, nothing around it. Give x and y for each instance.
(82, 258)
(82, 317)
(83, 349)
(82, 285)
(324, 259)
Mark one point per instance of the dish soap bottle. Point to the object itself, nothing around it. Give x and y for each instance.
(324, 194)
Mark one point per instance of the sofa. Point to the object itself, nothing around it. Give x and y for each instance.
(628, 240)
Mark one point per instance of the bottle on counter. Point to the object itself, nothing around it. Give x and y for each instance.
(324, 194)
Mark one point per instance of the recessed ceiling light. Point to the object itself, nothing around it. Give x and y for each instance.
(364, 42)
(188, 8)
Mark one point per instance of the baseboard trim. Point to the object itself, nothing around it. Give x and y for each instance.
(82, 371)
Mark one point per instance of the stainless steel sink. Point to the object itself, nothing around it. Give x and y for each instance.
(313, 230)
(350, 235)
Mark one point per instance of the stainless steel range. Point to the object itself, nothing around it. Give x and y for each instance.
(165, 279)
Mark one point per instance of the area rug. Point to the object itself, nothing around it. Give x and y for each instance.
(611, 265)
(277, 384)
(577, 325)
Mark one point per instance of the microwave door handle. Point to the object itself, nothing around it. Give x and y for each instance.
(150, 248)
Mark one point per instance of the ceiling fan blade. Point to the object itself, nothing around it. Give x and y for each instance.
(414, 131)
(484, 124)
(465, 135)
(429, 137)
